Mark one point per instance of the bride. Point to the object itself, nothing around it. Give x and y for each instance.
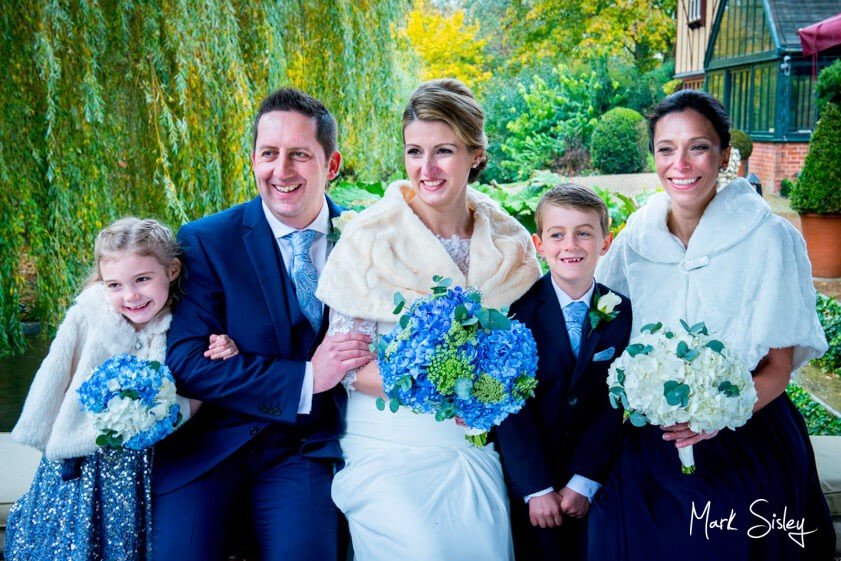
(411, 486)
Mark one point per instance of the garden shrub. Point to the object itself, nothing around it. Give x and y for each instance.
(819, 421)
(818, 189)
(741, 142)
(559, 115)
(786, 186)
(619, 142)
(829, 314)
(828, 86)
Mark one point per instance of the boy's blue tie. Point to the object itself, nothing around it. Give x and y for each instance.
(305, 275)
(574, 314)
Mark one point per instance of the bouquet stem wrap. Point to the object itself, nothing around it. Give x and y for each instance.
(687, 460)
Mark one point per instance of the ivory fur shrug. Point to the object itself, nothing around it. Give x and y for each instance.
(388, 249)
(52, 419)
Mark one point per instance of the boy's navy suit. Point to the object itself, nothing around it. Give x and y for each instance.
(236, 283)
(569, 426)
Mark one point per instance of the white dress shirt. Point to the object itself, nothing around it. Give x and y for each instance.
(578, 483)
(318, 254)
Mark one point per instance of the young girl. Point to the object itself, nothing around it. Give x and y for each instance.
(89, 503)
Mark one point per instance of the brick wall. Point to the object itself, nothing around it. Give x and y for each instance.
(773, 162)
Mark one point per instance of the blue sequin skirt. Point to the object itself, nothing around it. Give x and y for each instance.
(87, 509)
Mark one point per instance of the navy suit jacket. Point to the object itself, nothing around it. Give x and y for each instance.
(568, 427)
(235, 282)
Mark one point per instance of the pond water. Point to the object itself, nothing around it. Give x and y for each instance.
(16, 375)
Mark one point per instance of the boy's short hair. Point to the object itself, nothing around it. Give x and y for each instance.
(572, 195)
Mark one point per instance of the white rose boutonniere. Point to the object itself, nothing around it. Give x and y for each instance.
(603, 308)
(338, 224)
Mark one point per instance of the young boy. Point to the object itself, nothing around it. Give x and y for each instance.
(557, 450)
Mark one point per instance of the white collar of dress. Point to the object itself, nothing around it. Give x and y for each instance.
(733, 214)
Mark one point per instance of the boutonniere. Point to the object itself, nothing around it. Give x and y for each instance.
(338, 224)
(603, 308)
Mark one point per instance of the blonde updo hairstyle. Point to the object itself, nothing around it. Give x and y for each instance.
(451, 102)
(145, 237)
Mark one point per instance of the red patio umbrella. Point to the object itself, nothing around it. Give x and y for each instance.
(821, 36)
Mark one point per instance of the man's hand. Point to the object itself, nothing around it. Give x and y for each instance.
(221, 346)
(545, 511)
(335, 356)
(573, 504)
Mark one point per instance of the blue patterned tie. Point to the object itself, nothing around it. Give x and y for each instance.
(574, 314)
(305, 275)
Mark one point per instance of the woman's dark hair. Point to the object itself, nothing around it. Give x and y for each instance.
(703, 103)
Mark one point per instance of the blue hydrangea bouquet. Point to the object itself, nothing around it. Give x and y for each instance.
(132, 402)
(450, 356)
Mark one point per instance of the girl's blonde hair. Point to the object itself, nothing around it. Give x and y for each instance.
(143, 237)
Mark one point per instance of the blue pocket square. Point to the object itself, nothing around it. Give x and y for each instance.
(605, 354)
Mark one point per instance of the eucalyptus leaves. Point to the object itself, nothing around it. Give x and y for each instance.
(666, 377)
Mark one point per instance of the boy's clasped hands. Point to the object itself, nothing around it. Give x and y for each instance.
(548, 511)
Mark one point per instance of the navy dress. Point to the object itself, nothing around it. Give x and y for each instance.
(759, 481)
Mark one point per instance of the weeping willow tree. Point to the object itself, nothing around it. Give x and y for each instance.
(118, 107)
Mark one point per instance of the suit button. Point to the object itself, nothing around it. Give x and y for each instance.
(254, 430)
(573, 401)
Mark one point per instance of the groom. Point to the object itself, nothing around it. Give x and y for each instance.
(266, 433)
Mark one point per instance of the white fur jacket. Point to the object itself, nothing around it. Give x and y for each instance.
(52, 419)
(388, 249)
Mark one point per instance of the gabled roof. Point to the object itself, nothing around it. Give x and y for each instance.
(787, 16)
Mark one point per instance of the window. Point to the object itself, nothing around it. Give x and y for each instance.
(802, 110)
(743, 31)
(764, 98)
(695, 13)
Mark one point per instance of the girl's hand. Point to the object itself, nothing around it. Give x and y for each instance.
(683, 436)
(221, 346)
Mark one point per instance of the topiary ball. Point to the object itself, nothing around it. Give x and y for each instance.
(619, 143)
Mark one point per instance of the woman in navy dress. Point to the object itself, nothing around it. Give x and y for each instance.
(702, 252)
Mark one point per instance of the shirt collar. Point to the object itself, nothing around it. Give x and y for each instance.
(279, 229)
(565, 299)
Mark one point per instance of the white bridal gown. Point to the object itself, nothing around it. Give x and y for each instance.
(414, 488)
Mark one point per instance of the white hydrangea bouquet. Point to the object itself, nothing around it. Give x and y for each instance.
(131, 401)
(666, 377)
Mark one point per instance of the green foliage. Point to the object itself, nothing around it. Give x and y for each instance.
(619, 143)
(819, 421)
(145, 108)
(786, 186)
(641, 32)
(558, 118)
(520, 199)
(818, 189)
(356, 195)
(742, 142)
(828, 86)
(829, 314)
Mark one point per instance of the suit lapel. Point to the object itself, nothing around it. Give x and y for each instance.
(554, 329)
(335, 211)
(275, 283)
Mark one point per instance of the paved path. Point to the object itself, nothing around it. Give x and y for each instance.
(628, 184)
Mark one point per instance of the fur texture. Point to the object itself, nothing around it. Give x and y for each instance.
(52, 419)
